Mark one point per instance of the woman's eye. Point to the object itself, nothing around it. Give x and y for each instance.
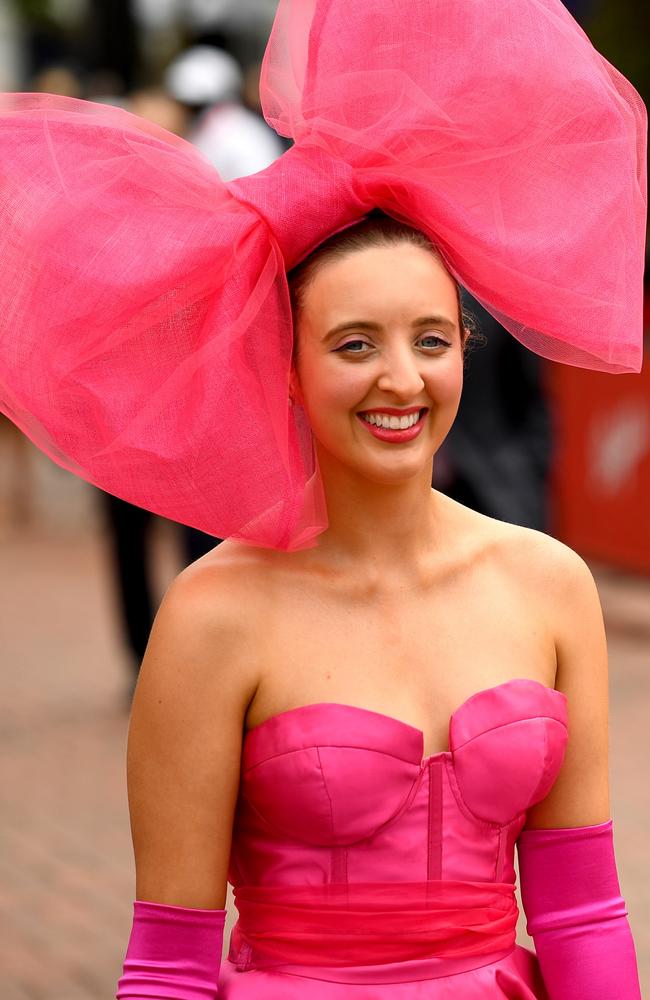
(440, 340)
(349, 345)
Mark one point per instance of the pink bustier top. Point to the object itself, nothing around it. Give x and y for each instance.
(351, 850)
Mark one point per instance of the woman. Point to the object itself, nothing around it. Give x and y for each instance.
(324, 682)
(353, 708)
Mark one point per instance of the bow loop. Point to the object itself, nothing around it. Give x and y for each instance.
(498, 130)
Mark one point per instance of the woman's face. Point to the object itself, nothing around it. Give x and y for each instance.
(379, 328)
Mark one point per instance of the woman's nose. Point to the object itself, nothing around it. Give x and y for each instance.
(401, 375)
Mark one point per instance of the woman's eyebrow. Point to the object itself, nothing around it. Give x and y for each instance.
(443, 321)
(436, 321)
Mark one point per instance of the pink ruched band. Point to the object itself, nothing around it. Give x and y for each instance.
(372, 923)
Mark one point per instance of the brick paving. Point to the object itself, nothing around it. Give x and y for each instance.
(66, 863)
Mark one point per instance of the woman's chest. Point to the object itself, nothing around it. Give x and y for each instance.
(413, 652)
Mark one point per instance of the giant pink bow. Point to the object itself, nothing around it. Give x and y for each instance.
(145, 331)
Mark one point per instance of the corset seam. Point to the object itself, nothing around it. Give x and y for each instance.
(434, 825)
(504, 725)
(339, 864)
(494, 824)
(327, 792)
(498, 860)
(338, 746)
(542, 780)
(487, 824)
(277, 829)
(497, 854)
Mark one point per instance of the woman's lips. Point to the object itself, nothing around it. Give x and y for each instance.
(395, 436)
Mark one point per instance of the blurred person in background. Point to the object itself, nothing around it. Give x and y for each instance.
(240, 27)
(497, 457)
(155, 104)
(209, 83)
(58, 80)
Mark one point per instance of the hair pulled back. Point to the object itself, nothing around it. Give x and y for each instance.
(376, 230)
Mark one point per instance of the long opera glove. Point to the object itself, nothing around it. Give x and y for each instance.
(576, 915)
(174, 953)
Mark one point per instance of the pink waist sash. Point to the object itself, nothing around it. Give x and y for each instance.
(373, 923)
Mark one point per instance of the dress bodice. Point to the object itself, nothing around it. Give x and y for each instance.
(338, 806)
(335, 793)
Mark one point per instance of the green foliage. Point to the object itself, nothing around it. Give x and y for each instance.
(33, 10)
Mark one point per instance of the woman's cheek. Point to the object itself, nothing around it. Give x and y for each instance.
(446, 386)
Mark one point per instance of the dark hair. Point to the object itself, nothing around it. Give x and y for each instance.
(376, 230)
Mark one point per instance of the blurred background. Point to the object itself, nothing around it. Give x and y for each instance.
(81, 574)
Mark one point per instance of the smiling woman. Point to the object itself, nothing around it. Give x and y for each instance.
(358, 705)
(362, 767)
(380, 338)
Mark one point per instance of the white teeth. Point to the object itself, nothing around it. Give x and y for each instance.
(392, 423)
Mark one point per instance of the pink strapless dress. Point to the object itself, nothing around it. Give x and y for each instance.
(365, 871)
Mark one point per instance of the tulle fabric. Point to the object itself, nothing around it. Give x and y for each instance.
(146, 335)
(145, 338)
(497, 128)
(373, 922)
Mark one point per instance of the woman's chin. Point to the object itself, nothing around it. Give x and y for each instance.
(388, 470)
(396, 476)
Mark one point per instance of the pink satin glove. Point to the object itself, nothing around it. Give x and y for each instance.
(576, 915)
(173, 953)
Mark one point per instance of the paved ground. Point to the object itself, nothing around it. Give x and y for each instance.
(66, 865)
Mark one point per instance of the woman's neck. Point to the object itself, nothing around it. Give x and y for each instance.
(377, 528)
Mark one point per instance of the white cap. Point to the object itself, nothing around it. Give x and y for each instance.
(203, 74)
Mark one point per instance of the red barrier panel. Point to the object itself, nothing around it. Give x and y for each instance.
(600, 492)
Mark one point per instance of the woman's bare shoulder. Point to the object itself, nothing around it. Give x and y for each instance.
(212, 617)
(556, 580)
(560, 581)
(543, 569)
(535, 558)
(540, 558)
(223, 576)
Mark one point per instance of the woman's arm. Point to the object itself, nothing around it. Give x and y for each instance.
(580, 795)
(183, 767)
(569, 882)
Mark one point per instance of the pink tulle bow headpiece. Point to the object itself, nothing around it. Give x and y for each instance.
(145, 331)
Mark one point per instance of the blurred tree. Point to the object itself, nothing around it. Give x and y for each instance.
(112, 42)
(97, 37)
(33, 9)
(44, 40)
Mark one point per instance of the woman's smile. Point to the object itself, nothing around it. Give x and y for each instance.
(393, 429)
